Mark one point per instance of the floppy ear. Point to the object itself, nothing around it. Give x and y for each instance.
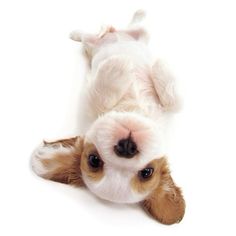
(165, 203)
(59, 161)
(164, 84)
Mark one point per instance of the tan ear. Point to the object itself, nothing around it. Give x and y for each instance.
(165, 203)
(59, 161)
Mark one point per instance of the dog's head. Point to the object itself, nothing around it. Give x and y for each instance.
(122, 156)
(119, 161)
(122, 160)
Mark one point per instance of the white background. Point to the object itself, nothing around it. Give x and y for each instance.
(40, 75)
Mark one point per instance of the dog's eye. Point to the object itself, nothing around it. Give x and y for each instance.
(146, 173)
(94, 161)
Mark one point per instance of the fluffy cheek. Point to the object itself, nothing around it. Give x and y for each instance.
(115, 186)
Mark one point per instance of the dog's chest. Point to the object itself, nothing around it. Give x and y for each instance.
(140, 96)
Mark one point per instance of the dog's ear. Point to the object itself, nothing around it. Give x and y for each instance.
(59, 161)
(165, 203)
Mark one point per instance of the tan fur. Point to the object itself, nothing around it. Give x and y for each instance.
(142, 186)
(95, 175)
(64, 142)
(67, 167)
(165, 203)
(67, 164)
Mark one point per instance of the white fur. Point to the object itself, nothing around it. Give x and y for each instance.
(115, 186)
(138, 17)
(164, 84)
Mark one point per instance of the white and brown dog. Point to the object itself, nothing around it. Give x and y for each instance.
(121, 156)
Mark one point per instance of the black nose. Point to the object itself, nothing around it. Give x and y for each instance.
(126, 148)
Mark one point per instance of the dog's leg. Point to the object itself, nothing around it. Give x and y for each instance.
(164, 85)
(91, 41)
(112, 79)
(135, 28)
(59, 161)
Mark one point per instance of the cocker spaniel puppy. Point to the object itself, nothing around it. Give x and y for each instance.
(121, 156)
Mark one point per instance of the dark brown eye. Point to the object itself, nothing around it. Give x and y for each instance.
(94, 161)
(145, 173)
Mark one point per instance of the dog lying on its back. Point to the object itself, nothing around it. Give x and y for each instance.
(121, 157)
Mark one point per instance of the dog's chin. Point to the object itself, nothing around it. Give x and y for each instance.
(119, 198)
(113, 189)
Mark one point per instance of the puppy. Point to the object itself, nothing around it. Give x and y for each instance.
(121, 156)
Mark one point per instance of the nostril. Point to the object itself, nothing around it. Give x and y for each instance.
(122, 145)
(132, 148)
(126, 148)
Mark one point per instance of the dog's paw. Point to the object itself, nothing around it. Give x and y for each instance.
(165, 85)
(76, 35)
(138, 16)
(44, 159)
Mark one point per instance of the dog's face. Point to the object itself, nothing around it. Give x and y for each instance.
(122, 157)
(119, 160)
